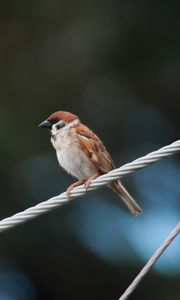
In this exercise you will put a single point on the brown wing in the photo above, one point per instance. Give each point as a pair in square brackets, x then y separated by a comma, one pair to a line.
[94, 148]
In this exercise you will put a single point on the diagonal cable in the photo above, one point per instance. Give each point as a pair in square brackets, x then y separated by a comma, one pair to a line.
[174, 233]
[115, 174]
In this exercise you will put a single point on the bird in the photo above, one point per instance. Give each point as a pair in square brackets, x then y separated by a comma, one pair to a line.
[82, 154]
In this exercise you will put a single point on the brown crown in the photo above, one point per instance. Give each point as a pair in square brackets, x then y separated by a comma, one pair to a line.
[62, 115]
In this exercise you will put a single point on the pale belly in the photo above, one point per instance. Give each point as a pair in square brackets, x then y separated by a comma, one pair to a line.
[76, 163]
[72, 158]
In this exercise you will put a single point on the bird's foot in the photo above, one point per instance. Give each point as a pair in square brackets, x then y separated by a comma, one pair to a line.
[72, 186]
[88, 182]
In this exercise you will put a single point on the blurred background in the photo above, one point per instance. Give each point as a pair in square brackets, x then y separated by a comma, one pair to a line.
[117, 65]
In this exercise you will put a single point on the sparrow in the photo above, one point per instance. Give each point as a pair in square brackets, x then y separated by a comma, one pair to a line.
[82, 154]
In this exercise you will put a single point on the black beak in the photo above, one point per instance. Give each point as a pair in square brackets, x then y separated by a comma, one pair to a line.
[45, 124]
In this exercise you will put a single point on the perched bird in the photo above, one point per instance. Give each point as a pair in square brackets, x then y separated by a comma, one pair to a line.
[82, 154]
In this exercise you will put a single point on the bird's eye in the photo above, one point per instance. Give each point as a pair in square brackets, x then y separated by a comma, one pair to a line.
[60, 125]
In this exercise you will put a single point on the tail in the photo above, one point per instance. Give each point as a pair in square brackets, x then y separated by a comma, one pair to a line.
[120, 190]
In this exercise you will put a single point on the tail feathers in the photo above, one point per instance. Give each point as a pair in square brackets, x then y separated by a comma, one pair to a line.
[120, 190]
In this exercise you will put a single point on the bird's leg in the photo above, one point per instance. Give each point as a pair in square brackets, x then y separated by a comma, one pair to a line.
[72, 186]
[88, 182]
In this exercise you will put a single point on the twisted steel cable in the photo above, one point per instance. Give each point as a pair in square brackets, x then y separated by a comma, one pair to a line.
[115, 174]
[174, 233]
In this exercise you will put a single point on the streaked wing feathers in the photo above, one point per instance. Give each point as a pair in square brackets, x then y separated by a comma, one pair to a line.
[94, 148]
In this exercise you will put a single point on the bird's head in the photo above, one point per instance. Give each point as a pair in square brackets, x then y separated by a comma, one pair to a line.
[59, 120]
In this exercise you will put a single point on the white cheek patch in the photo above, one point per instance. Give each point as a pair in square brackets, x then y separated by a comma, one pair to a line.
[63, 126]
[56, 127]
[54, 130]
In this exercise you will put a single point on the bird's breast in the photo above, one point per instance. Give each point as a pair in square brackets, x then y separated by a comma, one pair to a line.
[71, 157]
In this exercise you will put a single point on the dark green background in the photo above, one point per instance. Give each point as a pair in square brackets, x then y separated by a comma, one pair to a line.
[117, 65]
